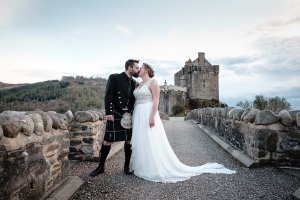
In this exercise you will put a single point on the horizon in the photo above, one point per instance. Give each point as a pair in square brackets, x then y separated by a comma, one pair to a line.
[258, 51]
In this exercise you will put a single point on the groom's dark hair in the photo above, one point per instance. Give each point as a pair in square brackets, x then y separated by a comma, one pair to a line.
[130, 62]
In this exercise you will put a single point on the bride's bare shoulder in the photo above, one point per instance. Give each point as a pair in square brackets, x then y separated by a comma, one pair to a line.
[153, 83]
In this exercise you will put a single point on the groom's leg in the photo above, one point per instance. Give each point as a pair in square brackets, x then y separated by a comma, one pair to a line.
[105, 148]
[127, 150]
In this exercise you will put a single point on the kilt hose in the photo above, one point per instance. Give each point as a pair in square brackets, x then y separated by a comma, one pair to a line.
[114, 132]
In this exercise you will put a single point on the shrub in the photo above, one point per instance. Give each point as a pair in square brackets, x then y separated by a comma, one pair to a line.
[178, 108]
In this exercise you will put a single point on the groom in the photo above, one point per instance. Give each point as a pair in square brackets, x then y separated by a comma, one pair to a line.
[118, 100]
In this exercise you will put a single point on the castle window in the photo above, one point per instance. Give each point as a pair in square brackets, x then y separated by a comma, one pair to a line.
[203, 82]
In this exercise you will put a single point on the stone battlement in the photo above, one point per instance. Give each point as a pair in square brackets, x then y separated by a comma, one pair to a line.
[262, 135]
[34, 148]
[86, 135]
[172, 87]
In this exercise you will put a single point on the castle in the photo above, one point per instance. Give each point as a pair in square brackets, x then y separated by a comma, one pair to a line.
[198, 79]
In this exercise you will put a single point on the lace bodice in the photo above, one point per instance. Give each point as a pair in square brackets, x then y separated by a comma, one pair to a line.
[143, 94]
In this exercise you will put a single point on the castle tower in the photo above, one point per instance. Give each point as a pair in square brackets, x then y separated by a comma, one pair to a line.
[201, 58]
[200, 77]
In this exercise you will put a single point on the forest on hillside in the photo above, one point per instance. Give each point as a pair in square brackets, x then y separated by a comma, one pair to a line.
[69, 93]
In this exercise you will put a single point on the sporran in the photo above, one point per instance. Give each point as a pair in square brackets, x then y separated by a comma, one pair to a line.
[126, 121]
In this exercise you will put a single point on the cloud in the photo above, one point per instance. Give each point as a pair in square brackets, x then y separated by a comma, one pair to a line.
[10, 10]
[280, 22]
[164, 69]
[123, 30]
[235, 60]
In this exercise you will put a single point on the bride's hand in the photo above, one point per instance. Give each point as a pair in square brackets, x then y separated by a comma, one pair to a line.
[151, 121]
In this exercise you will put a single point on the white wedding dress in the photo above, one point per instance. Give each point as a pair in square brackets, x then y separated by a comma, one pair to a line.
[152, 156]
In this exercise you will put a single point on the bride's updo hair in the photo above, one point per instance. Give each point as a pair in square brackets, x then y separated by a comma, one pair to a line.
[150, 70]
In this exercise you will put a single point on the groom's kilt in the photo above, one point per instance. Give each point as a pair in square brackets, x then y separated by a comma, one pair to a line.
[114, 132]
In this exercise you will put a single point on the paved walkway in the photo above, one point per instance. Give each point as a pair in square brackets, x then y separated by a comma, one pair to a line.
[193, 147]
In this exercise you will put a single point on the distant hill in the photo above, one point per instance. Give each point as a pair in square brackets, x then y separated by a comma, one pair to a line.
[9, 85]
[69, 93]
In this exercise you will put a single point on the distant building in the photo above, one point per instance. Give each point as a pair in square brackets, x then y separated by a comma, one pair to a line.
[198, 79]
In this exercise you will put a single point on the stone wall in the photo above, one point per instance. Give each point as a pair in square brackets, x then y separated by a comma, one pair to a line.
[262, 135]
[86, 135]
[170, 97]
[34, 148]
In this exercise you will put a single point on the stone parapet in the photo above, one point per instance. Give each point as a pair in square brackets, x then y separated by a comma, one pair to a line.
[34, 148]
[86, 135]
[262, 135]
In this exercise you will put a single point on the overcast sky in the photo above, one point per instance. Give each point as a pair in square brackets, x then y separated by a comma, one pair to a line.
[255, 42]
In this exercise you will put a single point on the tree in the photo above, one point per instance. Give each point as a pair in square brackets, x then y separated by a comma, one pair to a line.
[260, 102]
[245, 104]
[277, 104]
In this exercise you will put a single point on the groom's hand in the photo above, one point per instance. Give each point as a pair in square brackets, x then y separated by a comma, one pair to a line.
[109, 117]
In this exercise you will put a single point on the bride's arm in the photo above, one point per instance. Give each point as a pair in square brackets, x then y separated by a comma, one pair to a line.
[155, 90]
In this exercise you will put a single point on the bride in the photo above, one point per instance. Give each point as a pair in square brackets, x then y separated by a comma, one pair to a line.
[153, 158]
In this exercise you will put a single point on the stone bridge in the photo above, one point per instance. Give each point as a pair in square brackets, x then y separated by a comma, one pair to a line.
[35, 161]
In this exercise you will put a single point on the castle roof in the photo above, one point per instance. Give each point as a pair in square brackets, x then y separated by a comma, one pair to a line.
[196, 62]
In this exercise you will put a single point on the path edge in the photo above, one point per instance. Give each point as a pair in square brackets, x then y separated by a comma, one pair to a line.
[70, 185]
[237, 154]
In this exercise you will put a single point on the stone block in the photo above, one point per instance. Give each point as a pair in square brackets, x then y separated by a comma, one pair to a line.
[246, 111]
[73, 149]
[63, 153]
[59, 138]
[56, 122]
[65, 144]
[1, 132]
[82, 133]
[87, 149]
[85, 116]
[27, 125]
[266, 117]
[49, 139]
[55, 172]
[100, 113]
[52, 147]
[47, 120]
[50, 155]
[265, 139]
[250, 116]
[95, 115]
[285, 118]
[63, 121]
[11, 126]
[298, 119]
[38, 123]
[79, 127]
[89, 140]
[75, 142]
[69, 116]
[235, 113]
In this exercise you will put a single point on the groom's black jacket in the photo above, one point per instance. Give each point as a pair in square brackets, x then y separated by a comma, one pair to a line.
[117, 94]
